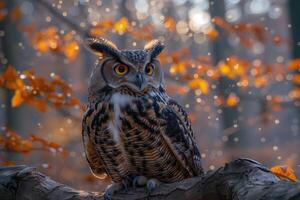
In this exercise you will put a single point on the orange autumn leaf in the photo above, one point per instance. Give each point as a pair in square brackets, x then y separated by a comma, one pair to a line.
[232, 67]
[284, 172]
[177, 89]
[260, 81]
[48, 145]
[26, 146]
[225, 70]
[232, 100]
[37, 91]
[46, 39]
[294, 64]
[295, 93]
[121, 26]
[71, 50]
[178, 68]
[199, 84]
[70, 47]
[212, 34]
[101, 28]
[13, 142]
[9, 77]
[49, 40]
[17, 99]
[296, 78]
[170, 23]
[258, 31]
[219, 21]
[40, 105]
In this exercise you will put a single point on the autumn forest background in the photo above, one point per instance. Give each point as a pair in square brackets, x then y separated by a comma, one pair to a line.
[233, 64]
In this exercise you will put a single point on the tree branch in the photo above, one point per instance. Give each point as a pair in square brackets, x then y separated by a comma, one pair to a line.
[239, 179]
[57, 14]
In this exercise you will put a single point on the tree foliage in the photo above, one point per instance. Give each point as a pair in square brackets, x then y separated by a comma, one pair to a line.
[197, 73]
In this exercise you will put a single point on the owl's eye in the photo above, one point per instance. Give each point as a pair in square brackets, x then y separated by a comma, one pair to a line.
[121, 70]
[149, 69]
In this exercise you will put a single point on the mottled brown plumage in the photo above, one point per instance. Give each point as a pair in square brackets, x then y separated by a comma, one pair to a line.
[131, 127]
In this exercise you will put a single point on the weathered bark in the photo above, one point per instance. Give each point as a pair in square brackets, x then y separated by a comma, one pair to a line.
[239, 179]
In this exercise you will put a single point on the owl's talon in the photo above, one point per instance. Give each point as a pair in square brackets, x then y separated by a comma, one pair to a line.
[125, 185]
[152, 184]
[112, 189]
[139, 181]
[126, 182]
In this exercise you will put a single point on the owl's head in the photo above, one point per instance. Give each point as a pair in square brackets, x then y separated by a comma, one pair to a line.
[138, 70]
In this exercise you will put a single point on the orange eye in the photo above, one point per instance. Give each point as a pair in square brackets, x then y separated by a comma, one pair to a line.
[149, 69]
[121, 70]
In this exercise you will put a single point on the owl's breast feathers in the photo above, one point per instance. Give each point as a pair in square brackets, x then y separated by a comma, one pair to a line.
[148, 135]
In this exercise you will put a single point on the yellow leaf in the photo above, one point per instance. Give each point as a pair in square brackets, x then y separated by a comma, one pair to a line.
[17, 99]
[19, 83]
[260, 81]
[212, 34]
[121, 25]
[46, 39]
[169, 23]
[71, 50]
[200, 84]
[178, 68]
[284, 172]
[232, 100]
[226, 70]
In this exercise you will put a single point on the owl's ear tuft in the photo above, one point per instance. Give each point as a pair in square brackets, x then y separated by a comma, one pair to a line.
[154, 48]
[102, 47]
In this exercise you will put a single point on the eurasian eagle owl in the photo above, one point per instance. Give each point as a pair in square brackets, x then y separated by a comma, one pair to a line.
[132, 130]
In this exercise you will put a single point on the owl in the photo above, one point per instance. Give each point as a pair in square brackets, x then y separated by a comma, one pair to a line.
[132, 130]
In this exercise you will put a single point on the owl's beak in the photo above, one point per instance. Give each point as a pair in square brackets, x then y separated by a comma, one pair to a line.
[139, 81]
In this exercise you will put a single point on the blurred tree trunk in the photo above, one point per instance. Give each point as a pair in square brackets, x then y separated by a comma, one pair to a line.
[9, 42]
[8, 45]
[294, 6]
[225, 86]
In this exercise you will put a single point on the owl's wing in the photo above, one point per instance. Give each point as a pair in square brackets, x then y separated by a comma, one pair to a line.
[91, 154]
[179, 136]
